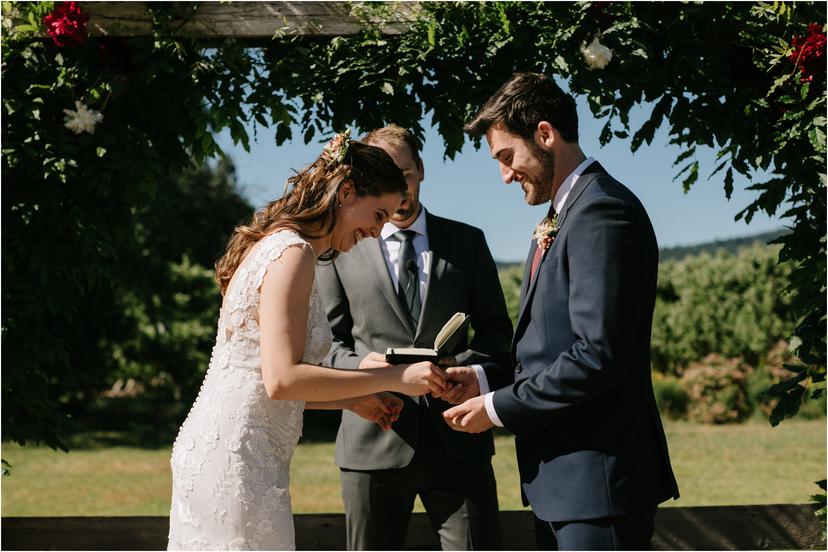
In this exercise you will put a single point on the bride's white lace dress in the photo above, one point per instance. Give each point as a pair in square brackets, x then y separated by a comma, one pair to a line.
[231, 459]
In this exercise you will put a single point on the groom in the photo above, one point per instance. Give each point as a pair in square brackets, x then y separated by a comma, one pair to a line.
[591, 450]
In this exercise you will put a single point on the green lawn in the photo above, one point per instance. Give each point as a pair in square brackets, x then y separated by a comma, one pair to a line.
[737, 464]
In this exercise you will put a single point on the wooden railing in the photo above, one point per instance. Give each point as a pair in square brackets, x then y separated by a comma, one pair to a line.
[765, 527]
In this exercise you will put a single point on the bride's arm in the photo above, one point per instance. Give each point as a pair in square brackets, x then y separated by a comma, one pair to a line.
[283, 319]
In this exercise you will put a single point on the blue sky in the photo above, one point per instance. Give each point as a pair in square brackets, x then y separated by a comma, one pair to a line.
[469, 188]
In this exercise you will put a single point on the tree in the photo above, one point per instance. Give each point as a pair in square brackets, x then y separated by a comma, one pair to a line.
[745, 79]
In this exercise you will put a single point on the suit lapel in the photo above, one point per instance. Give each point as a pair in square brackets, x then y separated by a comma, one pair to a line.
[527, 270]
[437, 266]
[376, 263]
[584, 180]
[528, 289]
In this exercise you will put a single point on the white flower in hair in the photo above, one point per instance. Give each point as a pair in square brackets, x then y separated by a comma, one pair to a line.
[82, 119]
[337, 148]
[596, 55]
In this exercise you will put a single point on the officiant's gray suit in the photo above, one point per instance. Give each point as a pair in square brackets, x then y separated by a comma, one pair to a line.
[382, 471]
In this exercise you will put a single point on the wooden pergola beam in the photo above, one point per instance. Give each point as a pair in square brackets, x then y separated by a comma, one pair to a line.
[243, 20]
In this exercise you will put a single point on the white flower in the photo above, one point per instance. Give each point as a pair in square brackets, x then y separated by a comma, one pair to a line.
[596, 54]
[81, 120]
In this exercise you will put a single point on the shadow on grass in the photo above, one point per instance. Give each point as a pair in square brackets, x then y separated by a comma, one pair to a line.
[148, 421]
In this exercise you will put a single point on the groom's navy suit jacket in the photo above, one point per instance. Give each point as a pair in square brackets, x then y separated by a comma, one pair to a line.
[589, 439]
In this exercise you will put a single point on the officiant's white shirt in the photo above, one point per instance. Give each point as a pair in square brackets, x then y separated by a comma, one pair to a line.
[559, 201]
[391, 252]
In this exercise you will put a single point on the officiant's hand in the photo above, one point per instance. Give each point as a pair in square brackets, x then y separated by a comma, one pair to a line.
[469, 417]
[380, 408]
[465, 384]
[372, 361]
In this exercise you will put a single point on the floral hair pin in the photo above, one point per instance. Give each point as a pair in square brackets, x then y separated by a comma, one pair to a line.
[337, 148]
[546, 231]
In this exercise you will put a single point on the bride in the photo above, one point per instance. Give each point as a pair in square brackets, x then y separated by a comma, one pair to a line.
[231, 459]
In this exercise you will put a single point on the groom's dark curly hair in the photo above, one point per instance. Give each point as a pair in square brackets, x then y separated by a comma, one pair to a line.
[522, 102]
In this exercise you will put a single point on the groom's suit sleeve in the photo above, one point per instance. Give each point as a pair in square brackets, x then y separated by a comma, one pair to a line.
[490, 346]
[342, 353]
[606, 255]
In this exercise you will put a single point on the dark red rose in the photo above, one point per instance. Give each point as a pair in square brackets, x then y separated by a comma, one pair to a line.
[809, 53]
[67, 24]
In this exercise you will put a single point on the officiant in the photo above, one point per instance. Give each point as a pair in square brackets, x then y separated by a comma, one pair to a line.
[399, 291]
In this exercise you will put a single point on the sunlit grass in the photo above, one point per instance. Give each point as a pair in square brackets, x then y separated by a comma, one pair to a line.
[750, 463]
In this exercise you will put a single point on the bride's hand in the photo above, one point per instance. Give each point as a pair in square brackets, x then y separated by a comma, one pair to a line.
[421, 378]
[372, 361]
[381, 408]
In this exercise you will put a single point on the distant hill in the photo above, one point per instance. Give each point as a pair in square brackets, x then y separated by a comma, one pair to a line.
[731, 245]
[675, 253]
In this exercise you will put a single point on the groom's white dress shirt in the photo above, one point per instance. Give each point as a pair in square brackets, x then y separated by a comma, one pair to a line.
[391, 252]
[559, 201]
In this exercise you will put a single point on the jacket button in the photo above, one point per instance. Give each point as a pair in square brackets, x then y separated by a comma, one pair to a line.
[518, 368]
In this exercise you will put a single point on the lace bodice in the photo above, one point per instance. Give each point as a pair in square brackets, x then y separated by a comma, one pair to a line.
[231, 459]
[238, 326]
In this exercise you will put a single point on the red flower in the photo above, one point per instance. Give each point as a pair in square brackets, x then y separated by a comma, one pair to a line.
[67, 24]
[809, 53]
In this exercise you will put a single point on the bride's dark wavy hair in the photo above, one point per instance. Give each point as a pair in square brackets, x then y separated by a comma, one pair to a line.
[310, 205]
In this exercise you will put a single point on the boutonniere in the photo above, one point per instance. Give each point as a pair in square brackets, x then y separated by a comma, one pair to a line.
[546, 231]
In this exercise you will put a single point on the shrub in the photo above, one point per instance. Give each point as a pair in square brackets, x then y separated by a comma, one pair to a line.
[771, 372]
[717, 389]
[671, 397]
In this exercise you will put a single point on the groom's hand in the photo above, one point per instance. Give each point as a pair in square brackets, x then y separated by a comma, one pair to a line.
[469, 417]
[465, 383]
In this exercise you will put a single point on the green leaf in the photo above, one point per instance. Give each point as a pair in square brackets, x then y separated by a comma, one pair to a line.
[728, 183]
[691, 178]
[684, 155]
[776, 84]
[100, 152]
[387, 88]
[817, 137]
[788, 405]
[309, 132]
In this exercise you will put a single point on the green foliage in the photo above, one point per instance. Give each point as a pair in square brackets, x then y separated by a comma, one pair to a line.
[71, 202]
[731, 304]
[510, 280]
[156, 325]
[716, 75]
[671, 398]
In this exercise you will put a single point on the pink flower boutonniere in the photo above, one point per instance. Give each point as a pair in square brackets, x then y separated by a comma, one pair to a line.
[546, 231]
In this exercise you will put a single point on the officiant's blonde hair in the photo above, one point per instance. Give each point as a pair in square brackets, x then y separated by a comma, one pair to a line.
[310, 205]
[396, 136]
